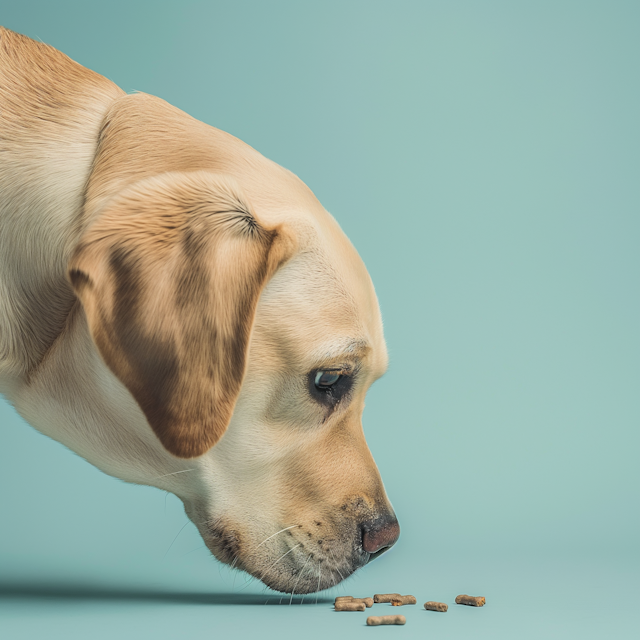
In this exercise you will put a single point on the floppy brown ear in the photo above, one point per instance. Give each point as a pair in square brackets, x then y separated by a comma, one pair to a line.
[169, 276]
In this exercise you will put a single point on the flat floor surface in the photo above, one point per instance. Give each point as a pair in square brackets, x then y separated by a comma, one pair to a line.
[525, 599]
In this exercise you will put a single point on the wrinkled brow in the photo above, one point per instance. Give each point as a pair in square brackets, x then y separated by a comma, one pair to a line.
[343, 348]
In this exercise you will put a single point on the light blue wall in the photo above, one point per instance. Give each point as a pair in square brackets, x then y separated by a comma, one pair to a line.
[483, 157]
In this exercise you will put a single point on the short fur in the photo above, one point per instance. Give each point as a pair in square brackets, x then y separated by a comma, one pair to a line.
[187, 245]
[166, 297]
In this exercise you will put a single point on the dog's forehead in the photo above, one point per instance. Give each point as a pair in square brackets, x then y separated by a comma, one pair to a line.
[324, 298]
[324, 291]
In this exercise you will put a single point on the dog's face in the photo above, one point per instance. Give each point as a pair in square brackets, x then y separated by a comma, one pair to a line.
[248, 334]
[294, 485]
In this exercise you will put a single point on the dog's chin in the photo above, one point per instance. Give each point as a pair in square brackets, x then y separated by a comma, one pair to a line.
[298, 576]
[296, 584]
[301, 578]
[287, 569]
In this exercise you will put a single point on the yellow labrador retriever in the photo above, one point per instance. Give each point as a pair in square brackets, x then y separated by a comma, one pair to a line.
[183, 313]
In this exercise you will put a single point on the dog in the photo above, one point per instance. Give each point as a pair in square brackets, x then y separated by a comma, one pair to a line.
[183, 313]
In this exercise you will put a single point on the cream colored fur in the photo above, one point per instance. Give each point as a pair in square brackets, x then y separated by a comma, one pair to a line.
[87, 174]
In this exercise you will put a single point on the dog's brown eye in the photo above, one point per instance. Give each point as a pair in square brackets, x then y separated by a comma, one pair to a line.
[330, 387]
[326, 379]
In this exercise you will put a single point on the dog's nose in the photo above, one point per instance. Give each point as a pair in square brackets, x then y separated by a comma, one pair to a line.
[380, 534]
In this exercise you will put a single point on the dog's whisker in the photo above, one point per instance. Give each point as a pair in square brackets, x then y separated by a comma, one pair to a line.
[248, 579]
[264, 573]
[250, 553]
[319, 574]
[179, 532]
[247, 583]
[202, 546]
[175, 473]
[303, 596]
[278, 560]
[334, 559]
[298, 580]
[293, 526]
[235, 575]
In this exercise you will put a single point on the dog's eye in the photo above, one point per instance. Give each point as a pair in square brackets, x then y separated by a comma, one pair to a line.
[326, 379]
[330, 387]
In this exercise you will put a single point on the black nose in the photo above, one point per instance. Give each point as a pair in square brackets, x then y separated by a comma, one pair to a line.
[380, 534]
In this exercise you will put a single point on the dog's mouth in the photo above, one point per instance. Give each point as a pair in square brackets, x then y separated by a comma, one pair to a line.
[377, 554]
[296, 562]
[298, 570]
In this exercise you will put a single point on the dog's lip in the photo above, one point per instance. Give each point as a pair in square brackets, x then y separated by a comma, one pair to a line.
[377, 554]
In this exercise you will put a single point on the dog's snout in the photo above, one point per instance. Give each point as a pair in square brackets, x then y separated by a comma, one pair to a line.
[379, 535]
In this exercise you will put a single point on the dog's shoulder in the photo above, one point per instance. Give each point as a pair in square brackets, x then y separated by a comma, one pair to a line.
[42, 86]
[51, 112]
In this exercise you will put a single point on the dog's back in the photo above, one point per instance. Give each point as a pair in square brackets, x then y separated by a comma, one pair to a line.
[51, 112]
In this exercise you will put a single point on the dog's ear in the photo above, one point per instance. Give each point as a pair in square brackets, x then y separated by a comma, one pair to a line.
[169, 276]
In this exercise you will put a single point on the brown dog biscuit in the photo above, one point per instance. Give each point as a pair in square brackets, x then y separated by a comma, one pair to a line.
[350, 606]
[368, 602]
[402, 600]
[385, 597]
[374, 621]
[471, 601]
[344, 598]
[435, 606]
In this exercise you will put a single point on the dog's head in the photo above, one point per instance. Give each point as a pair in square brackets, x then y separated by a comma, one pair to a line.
[248, 333]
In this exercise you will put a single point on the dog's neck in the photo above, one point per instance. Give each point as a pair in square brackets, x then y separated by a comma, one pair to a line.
[52, 112]
[74, 398]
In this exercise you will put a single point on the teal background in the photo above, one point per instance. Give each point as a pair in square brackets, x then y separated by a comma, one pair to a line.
[483, 157]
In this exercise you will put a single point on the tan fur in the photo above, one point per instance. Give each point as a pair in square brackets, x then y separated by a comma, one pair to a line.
[51, 111]
[169, 277]
[164, 288]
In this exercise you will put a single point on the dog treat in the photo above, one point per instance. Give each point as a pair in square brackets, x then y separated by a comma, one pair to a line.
[435, 606]
[472, 601]
[368, 602]
[344, 598]
[349, 606]
[402, 600]
[374, 621]
[385, 597]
